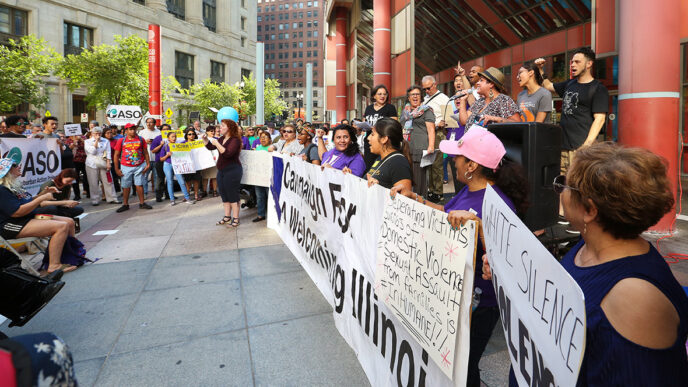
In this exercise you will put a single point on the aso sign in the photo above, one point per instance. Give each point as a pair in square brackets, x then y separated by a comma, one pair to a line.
[40, 159]
[123, 114]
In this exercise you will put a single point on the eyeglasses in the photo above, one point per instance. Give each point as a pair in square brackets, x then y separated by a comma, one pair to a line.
[414, 95]
[559, 184]
[427, 88]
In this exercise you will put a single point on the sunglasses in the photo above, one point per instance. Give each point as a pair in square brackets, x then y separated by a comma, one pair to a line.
[15, 165]
[287, 131]
[559, 184]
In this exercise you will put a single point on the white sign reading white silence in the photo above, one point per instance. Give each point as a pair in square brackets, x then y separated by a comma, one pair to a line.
[541, 305]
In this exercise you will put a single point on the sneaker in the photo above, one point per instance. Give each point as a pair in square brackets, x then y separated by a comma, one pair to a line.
[173, 203]
[572, 231]
[145, 206]
[95, 203]
[123, 208]
[259, 219]
[116, 202]
[563, 221]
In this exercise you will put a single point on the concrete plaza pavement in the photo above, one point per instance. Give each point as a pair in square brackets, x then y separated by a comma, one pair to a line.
[175, 300]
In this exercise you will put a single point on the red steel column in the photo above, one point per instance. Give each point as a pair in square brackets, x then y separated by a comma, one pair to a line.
[648, 96]
[382, 39]
[154, 102]
[341, 50]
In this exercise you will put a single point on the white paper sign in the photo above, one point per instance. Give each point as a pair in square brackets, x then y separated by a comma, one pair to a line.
[428, 158]
[72, 130]
[257, 167]
[123, 114]
[541, 305]
[419, 274]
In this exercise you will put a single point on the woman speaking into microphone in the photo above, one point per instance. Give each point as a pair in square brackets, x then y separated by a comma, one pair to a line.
[229, 169]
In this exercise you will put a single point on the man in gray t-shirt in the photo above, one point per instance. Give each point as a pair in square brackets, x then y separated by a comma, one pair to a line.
[532, 104]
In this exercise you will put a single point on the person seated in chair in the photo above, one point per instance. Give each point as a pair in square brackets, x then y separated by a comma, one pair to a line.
[62, 205]
[18, 210]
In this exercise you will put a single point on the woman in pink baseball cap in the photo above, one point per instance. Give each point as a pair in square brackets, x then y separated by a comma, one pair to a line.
[479, 160]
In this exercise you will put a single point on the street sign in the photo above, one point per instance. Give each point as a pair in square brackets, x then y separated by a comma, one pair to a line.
[84, 117]
[48, 114]
[168, 121]
[169, 112]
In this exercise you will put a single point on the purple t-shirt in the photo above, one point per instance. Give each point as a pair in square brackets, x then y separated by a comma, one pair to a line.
[466, 200]
[256, 142]
[244, 143]
[338, 160]
[154, 144]
[163, 151]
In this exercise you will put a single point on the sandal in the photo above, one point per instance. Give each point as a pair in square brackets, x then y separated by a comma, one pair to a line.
[66, 268]
[235, 222]
[224, 220]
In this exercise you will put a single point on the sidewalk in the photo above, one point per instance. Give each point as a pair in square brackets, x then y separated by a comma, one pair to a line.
[176, 301]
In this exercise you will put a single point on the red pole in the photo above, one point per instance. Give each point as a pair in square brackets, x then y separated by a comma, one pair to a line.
[341, 51]
[382, 36]
[648, 98]
[154, 102]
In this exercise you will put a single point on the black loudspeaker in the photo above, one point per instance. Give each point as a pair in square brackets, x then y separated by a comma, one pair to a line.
[537, 147]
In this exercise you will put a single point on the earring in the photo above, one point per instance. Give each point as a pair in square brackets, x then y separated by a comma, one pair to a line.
[585, 228]
[467, 176]
[491, 94]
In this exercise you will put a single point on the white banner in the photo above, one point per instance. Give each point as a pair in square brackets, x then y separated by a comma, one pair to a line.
[331, 223]
[40, 159]
[257, 167]
[123, 114]
[419, 275]
[541, 305]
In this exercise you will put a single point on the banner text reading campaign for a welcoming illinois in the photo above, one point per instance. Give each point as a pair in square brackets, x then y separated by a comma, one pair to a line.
[407, 323]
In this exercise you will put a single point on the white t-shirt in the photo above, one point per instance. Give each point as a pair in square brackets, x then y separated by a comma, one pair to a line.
[442, 108]
[149, 135]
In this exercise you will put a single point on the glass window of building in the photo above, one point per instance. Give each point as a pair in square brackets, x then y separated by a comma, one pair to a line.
[243, 23]
[217, 72]
[184, 69]
[12, 23]
[76, 38]
[177, 8]
[209, 14]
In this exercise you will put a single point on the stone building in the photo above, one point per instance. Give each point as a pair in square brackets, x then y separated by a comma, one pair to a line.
[200, 38]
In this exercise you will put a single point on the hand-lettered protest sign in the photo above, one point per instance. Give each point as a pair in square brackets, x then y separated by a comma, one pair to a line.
[257, 167]
[72, 130]
[189, 157]
[542, 306]
[419, 274]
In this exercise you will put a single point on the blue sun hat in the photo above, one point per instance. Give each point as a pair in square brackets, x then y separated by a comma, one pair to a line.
[5, 166]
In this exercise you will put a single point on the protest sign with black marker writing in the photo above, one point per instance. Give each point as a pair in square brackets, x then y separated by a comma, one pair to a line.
[419, 274]
[541, 305]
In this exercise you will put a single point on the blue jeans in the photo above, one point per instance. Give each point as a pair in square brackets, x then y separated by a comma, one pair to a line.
[145, 177]
[169, 176]
[262, 198]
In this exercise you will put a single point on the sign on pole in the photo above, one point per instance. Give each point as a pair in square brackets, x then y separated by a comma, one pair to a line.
[169, 113]
[84, 117]
[541, 305]
[123, 114]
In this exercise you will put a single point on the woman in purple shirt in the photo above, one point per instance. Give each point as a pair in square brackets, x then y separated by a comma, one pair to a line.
[345, 155]
[479, 159]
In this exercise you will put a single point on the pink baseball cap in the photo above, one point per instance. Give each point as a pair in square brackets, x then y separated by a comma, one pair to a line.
[478, 145]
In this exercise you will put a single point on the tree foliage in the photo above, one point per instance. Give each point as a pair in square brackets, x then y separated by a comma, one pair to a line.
[25, 65]
[207, 94]
[112, 74]
[273, 103]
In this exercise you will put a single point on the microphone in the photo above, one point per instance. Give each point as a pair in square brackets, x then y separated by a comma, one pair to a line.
[463, 94]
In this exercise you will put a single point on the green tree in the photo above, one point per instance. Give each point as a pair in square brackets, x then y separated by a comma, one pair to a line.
[273, 103]
[202, 96]
[25, 65]
[114, 74]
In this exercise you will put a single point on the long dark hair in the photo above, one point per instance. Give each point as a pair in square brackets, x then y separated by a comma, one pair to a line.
[233, 128]
[376, 89]
[67, 172]
[352, 149]
[510, 177]
[391, 128]
[531, 66]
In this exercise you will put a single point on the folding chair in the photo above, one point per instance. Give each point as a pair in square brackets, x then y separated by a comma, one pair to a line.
[26, 264]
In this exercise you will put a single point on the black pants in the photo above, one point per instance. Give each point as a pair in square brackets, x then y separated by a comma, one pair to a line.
[115, 178]
[483, 322]
[162, 187]
[69, 212]
[80, 169]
